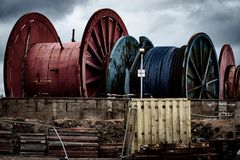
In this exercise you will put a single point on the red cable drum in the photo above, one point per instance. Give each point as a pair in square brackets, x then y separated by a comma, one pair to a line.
[36, 64]
[229, 82]
[30, 29]
[103, 29]
[226, 59]
[237, 83]
[50, 70]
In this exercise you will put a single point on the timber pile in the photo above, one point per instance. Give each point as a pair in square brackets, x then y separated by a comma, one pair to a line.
[78, 142]
[110, 150]
[6, 142]
[32, 144]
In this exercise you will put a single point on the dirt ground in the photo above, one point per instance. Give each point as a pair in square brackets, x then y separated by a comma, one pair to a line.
[215, 128]
[112, 131]
[109, 131]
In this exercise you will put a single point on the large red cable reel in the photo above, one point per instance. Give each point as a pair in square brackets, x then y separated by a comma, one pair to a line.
[226, 70]
[37, 65]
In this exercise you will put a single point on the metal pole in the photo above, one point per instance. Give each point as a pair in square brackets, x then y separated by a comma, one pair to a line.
[73, 35]
[59, 40]
[141, 50]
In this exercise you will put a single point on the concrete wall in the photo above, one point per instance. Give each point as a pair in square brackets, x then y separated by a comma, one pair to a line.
[99, 109]
[63, 108]
[214, 108]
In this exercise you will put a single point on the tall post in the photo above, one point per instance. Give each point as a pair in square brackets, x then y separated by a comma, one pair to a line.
[73, 35]
[142, 72]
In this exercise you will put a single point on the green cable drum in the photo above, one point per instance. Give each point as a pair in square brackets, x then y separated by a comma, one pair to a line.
[121, 59]
[200, 69]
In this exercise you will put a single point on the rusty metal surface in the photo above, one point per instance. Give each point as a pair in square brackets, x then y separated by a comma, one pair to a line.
[52, 71]
[237, 83]
[226, 59]
[37, 66]
[200, 70]
[121, 59]
[229, 82]
[32, 144]
[103, 29]
[190, 151]
[30, 29]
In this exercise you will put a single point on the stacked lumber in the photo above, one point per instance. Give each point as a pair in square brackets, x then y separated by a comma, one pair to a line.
[112, 150]
[6, 142]
[78, 142]
[32, 144]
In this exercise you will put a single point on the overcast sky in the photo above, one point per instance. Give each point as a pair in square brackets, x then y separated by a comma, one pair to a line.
[165, 22]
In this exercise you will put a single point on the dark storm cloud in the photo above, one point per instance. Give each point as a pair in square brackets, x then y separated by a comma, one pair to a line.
[218, 17]
[2, 48]
[182, 18]
[221, 18]
[12, 10]
[54, 8]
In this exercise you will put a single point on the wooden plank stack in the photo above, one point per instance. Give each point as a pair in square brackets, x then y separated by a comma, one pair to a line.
[110, 150]
[6, 142]
[78, 142]
[32, 144]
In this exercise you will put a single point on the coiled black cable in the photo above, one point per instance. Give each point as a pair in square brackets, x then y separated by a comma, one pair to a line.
[162, 72]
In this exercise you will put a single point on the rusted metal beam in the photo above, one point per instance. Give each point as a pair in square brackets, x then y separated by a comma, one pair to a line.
[32, 144]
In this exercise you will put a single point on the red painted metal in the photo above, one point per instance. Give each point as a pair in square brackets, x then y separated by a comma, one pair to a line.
[36, 65]
[229, 82]
[237, 83]
[103, 29]
[52, 71]
[226, 59]
[30, 29]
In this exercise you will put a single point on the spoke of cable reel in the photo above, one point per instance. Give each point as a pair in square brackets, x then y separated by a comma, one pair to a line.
[207, 65]
[94, 79]
[195, 69]
[195, 88]
[93, 65]
[95, 53]
[100, 28]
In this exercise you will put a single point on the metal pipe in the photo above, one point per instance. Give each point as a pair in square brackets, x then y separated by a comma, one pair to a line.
[141, 50]
[73, 35]
[206, 116]
[59, 40]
